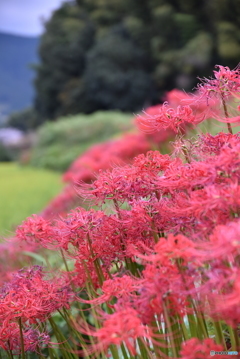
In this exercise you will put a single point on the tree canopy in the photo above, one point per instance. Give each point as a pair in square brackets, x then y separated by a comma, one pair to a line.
[124, 54]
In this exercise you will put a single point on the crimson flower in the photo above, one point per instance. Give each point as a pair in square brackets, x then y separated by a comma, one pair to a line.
[31, 297]
[10, 338]
[226, 83]
[167, 118]
[194, 349]
[122, 327]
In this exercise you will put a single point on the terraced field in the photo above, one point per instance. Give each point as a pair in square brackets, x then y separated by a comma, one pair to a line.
[24, 191]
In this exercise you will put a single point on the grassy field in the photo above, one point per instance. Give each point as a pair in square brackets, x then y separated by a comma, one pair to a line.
[24, 191]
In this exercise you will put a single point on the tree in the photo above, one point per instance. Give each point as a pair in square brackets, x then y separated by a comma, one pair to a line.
[24, 120]
[122, 54]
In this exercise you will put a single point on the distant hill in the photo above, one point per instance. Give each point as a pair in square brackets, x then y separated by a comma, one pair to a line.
[17, 53]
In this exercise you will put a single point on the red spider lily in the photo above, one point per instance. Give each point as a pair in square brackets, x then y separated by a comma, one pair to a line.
[176, 247]
[202, 108]
[162, 285]
[223, 87]
[118, 287]
[195, 349]
[174, 225]
[224, 242]
[226, 305]
[77, 226]
[109, 241]
[38, 230]
[167, 118]
[85, 272]
[175, 97]
[153, 162]
[122, 327]
[209, 144]
[225, 84]
[10, 338]
[120, 184]
[104, 155]
[128, 182]
[14, 250]
[30, 297]
[62, 203]
[33, 339]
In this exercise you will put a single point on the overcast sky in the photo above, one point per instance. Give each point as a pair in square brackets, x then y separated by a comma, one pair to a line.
[23, 17]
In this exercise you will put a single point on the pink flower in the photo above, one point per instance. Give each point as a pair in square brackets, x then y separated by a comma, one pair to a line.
[128, 182]
[194, 349]
[226, 83]
[31, 297]
[167, 118]
[10, 338]
[38, 230]
[224, 86]
[122, 327]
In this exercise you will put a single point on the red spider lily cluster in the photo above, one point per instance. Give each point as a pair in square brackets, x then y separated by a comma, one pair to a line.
[155, 267]
[27, 300]
[115, 152]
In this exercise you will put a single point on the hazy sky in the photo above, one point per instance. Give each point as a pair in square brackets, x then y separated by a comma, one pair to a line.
[23, 17]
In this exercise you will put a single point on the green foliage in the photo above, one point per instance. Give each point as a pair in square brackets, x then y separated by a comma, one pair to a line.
[228, 41]
[115, 76]
[4, 154]
[59, 143]
[23, 191]
[105, 54]
[24, 120]
[68, 36]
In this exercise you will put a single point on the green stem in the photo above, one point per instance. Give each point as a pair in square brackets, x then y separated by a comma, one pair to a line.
[219, 334]
[161, 339]
[200, 320]
[237, 339]
[64, 260]
[114, 352]
[184, 329]
[21, 338]
[169, 327]
[39, 353]
[67, 317]
[96, 263]
[9, 353]
[124, 352]
[154, 233]
[226, 114]
[51, 353]
[232, 338]
[192, 325]
[63, 342]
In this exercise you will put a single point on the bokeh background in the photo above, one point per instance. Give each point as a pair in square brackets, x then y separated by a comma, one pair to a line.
[74, 73]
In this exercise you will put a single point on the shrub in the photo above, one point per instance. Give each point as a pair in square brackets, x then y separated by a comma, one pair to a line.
[59, 143]
[24, 120]
[4, 154]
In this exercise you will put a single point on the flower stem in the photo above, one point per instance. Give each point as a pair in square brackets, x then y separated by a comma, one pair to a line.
[21, 338]
[173, 343]
[226, 114]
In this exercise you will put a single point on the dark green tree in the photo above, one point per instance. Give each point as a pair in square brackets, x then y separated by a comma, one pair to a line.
[125, 54]
[67, 38]
[24, 120]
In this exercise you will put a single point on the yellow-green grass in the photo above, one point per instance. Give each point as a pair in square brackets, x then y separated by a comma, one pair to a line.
[24, 191]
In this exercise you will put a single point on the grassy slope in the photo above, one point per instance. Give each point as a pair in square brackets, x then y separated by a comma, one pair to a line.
[24, 191]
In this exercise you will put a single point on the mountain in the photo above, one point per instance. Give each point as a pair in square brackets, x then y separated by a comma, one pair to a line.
[17, 54]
